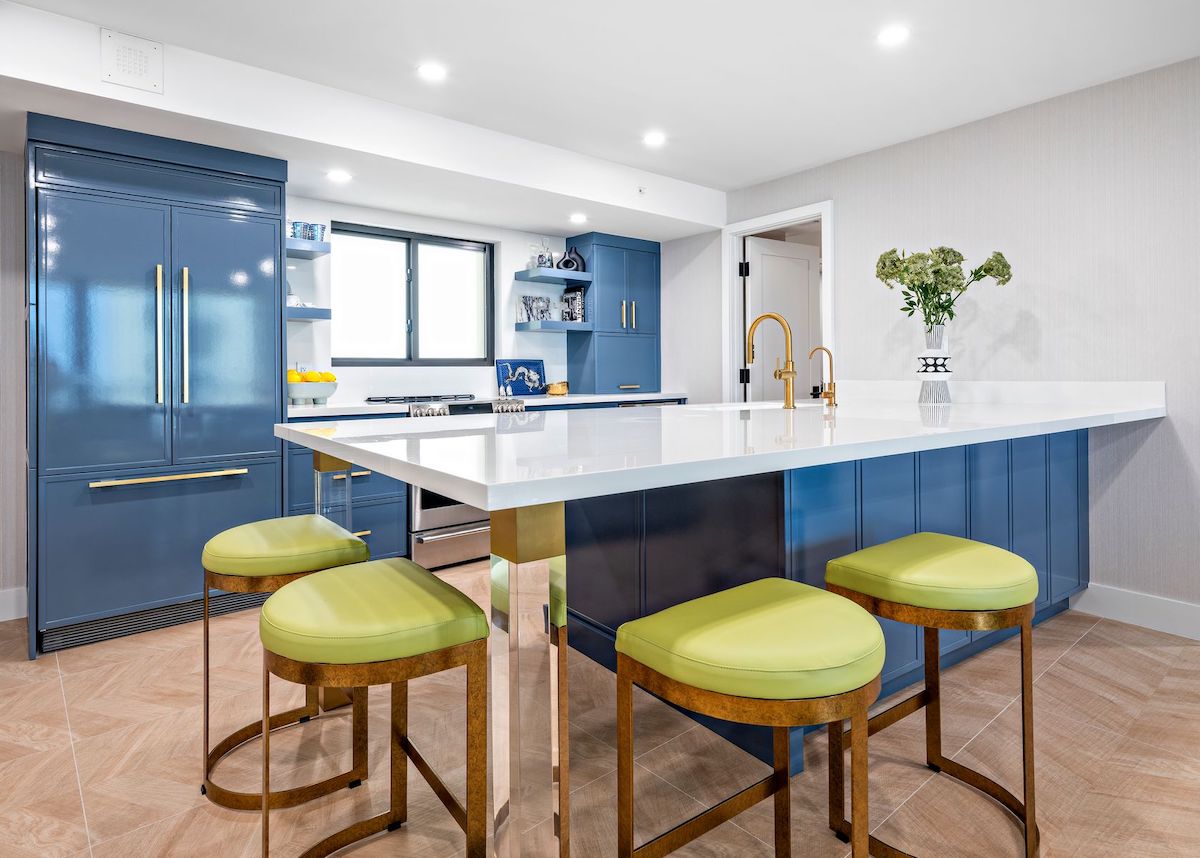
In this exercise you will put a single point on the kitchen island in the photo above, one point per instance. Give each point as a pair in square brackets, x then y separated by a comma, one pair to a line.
[655, 506]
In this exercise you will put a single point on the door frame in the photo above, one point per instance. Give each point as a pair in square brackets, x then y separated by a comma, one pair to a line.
[732, 344]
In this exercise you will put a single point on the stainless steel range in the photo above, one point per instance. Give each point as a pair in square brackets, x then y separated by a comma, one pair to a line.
[443, 530]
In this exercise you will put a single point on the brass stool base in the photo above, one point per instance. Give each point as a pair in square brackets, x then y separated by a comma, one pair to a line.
[929, 699]
[237, 800]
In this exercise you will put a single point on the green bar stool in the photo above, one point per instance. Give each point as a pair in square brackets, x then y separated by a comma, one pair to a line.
[261, 557]
[772, 652]
[560, 737]
[941, 582]
[375, 623]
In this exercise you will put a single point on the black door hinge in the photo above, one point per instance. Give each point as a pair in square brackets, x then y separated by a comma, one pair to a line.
[744, 376]
[743, 269]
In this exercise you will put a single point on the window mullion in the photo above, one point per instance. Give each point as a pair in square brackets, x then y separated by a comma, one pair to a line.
[411, 288]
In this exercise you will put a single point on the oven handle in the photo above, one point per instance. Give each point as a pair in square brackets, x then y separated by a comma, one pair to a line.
[438, 537]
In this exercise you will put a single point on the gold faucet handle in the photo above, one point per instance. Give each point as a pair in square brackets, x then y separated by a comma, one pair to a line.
[778, 370]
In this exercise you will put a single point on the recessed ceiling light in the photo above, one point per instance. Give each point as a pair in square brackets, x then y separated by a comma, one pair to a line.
[893, 35]
[338, 176]
[432, 72]
[654, 139]
[578, 217]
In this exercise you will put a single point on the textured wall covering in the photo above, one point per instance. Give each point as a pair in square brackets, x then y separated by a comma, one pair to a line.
[691, 316]
[12, 372]
[1095, 199]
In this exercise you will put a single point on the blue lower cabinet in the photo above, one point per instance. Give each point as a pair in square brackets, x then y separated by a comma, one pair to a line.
[821, 518]
[137, 545]
[366, 484]
[1030, 508]
[604, 556]
[1067, 455]
[942, 508]
[383, 525]
[626, 363]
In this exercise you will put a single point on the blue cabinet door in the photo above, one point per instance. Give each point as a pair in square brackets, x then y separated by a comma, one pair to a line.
[383, 525]
[104, 352]
[1030, 513]
[889, 511]
[626, 363]
[608, 289]
[1066, 565]
[228, 370]
[642, 291]
[942, 508]
[138, 545]
[604, 558]
[821, 518]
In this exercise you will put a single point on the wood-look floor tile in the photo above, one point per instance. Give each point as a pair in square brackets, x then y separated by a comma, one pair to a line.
[40, 811]
[593, 692]
[15, 667]
[658, 806]
[1171, 718]
[33, 718]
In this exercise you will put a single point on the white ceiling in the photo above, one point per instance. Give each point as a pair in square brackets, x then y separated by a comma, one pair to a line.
[746, 91]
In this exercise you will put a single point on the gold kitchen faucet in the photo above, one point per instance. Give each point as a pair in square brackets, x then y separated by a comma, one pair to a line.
[788, 374]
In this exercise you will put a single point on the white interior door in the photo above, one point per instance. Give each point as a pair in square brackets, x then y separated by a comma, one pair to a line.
[785, 278]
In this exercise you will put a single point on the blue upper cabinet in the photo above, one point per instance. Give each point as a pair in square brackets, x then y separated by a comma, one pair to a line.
[226, 290]
[104, 361]
[622, 355]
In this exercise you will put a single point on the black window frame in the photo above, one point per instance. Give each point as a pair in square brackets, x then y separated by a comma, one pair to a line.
[412, 239]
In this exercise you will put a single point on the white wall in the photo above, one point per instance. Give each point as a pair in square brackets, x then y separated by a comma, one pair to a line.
[309, 342]
[12, 387]
[1095, 199]
[691, 318]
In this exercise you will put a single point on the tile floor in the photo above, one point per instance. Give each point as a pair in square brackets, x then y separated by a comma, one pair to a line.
[100, 754]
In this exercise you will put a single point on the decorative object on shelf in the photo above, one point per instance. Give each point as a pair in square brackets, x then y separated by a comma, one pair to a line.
[573, 304]
[540, 255]
[521, 377]
[557, 388]
[296, 228]
[577, 258]
[931, 283]
[307, 231]
[508, 406]
[537, 308]
[566, 262]
[311, 387]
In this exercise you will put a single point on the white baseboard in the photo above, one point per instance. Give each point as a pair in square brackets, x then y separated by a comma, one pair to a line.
[1140, 609]
[13, 603]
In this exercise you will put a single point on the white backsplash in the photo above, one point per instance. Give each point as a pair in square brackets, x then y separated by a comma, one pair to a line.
[308, 342]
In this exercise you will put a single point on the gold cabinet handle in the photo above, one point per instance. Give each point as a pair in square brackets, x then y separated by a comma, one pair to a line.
[186, 345]
[633, 306]
[353, 474]
[622, 314]
[158, 333]
[629, 387]
[361, 533]
[168, 478]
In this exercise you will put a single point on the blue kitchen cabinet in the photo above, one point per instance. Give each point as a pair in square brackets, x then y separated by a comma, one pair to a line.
[383, 525]
[1030, 508]
[621, 353]
[821, 518]
[226, 291]
[103, 361]
[888, 511]
[942, 508]
[127, 541]
[152, 404]
[1067, 454]
[626, 363]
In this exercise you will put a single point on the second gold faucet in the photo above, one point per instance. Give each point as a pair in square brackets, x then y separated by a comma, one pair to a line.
[829, 388]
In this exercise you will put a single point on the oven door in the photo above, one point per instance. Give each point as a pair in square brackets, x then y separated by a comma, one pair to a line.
[447, 546]
[431, 510]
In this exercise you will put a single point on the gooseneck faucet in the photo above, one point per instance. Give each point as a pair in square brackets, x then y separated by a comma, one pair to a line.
[829, 388]
[788, 374]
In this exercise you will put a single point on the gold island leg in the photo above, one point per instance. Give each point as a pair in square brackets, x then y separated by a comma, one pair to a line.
[521, 536]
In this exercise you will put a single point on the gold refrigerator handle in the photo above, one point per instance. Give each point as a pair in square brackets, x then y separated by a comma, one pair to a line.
[622, 314]
[158, 334]
[633, 312]
[168, 478]
[187, 392]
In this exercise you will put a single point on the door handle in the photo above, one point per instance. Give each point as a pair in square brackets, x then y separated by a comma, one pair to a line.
[629, 387]
[158, 334]
[186, 344]
[622, 314]
[438, 537]
[168, 478]
[633, 307]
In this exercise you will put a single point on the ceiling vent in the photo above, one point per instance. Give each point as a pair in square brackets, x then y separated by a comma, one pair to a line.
[130, 61]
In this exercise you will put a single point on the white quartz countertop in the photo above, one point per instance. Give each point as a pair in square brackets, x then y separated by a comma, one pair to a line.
[497, 461]
[351, 408]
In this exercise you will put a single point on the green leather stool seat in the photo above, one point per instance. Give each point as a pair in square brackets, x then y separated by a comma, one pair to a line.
[558, 591]
[771, 639]
[374, 611]
[283, 546]
[933, 570]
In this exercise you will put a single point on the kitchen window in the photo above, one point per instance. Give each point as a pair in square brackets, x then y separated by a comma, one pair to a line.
[406, 299]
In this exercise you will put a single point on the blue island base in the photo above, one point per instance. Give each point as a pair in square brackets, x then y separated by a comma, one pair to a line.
[633, 554]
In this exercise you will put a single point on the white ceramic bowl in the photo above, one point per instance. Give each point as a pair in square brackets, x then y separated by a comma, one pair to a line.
[310, 392]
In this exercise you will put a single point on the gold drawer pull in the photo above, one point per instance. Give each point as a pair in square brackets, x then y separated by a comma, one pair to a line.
[168, 478]
[629, 387]
[361, 533]
[353, 474]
